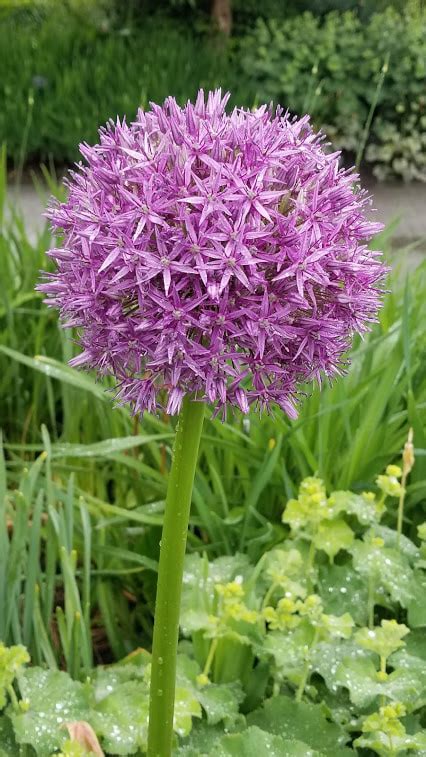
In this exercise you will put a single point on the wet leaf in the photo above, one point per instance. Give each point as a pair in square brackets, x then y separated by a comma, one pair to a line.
[379, 742]
[53, 699]
[417, 605]
[341, 587]
[221, 702]
[361, 678]
[387, 568]
[301, 722]
[332, 536]
[257, 743]
[362, 506]
[120, 719]
[384, 639]
[404, 545]
[287, 649]
[8, 745]
[326, 658]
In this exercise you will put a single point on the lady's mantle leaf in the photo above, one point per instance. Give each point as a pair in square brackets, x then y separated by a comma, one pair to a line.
[257, 743]
[51, 699]
[301, 722]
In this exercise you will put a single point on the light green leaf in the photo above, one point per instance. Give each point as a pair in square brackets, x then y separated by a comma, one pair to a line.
[337, 626]
[120, 719]
[341, 587]
[384, 639]
[379, 742]
[106, 448]
[187, 707]
[257, 743]
[57, 370]
[288, 649]
[221, 702]
[74, 749]
[333, 536]
[387, 568]
[301, 722]
[417, 605]
[401, 543]
[360, 677]
[327, 656]
[52, 698]
[362, 506]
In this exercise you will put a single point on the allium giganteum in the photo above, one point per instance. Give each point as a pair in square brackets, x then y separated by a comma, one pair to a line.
[222, 256]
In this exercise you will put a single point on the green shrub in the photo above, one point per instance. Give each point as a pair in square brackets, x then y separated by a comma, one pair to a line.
[333, 69]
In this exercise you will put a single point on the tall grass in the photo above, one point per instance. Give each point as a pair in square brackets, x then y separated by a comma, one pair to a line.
[64, 72]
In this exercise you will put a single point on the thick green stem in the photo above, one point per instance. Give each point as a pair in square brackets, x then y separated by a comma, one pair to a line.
[170, 573]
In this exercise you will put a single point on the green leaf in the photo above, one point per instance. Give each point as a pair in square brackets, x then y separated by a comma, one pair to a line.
[389, 570]
[360, 677]
[221, 701]
[287, 649]
[74, 749]
[120, 719]
[301, 722]
[187, 707]
[106, 448]
[384, 639]
[379, 742]
[340, 588]
[333, 536]
[8, 745]
[257, 743]
[204, 737]
[56, 369]
[327, 656]
[52, 698]
[361, 505]
[417, 606]
[401, 543]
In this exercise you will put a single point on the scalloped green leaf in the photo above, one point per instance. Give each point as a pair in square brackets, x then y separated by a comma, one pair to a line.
[255, 742]
[299, 721]
[389, 569]
[53, 699]
[332, 536]
[342, 588]
[221, 701]
[360, 677]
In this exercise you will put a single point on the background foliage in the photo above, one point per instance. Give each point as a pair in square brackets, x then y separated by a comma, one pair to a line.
[65, 68]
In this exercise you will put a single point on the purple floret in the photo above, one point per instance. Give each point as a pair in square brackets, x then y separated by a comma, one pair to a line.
[222, 256]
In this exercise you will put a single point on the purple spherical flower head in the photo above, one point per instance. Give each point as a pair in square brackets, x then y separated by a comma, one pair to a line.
[222, 256]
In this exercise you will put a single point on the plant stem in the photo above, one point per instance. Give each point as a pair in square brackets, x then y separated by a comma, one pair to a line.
[306, 669]
[210, 657]
[400, 520]
[370, 601]
[170, 574]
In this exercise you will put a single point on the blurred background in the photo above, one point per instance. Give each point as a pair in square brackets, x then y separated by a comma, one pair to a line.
[357, 66]
[69, 66]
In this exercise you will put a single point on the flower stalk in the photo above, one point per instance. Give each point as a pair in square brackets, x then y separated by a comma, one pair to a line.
[170, 574]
